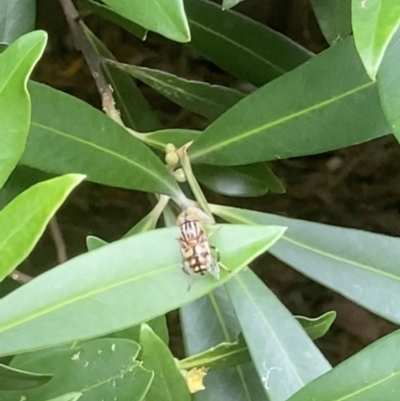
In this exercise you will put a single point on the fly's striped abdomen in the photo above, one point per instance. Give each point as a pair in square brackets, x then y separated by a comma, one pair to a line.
[190, 230]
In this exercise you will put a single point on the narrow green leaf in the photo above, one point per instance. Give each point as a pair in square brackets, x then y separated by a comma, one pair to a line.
[135, 111]
[247, 181]
[164, 17]
[292, 125]
[280, 349]
[374, 24]
[20, 179]
[27, 216]
[201, 97]
[370, 375]
[388, 79]
[149, 222]
[362, 266]
[105, 12]
[16, 64]
[16, 379]
[90, 144]
[319, 326]
[17, 18]
[93, 243]
[102, 369]
[207, 322]
[239, 45]
[227, 4]
[68, 397]
[159, 323]
[334, 18]
[168, 383]
[222, 356]
[84, 297]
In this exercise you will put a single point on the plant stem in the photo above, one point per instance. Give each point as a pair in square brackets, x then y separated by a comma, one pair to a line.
[191, 179]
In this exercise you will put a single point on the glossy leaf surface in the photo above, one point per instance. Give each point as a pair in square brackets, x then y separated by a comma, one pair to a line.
[388, 78]
[273, 123]
[239, 45]
[103, 369]
[108, 13]
[90, 144]
[17, 18]
[201, 97]
[26, 218]
[355, 380]
[250, 180]
[207, 322]
[164, 17]
[16, 379]
[68, 397]
[85, 297]
[374, 24]
[16, 65]
[334, 18]
[281, 350]
[168, 383]
[359, 265]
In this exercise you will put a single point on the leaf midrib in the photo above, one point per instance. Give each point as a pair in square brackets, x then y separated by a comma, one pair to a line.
[108, 151]
[271, 124]
[272, 332]
[285, 237]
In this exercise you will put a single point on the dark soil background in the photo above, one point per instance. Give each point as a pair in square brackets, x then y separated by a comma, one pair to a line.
[355, 187]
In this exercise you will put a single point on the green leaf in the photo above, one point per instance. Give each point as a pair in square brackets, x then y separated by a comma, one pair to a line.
[168, 383]
[93, 243]
[84, 297]
[222, 356]
[359, 265]
[102, 369]
[388, 78]
[164, 17]
[201, 97]
[68, 397]
[27, 216]
[226, 4]
[17, 18]
[239, 45]
[374, 24]
[149, 222]
[334, 18]
[294, 125]
[158, 324]
[370, 375]
[250, 180]
[90, 144]
[90, 6]
[16, 64]
[135, 111]
[319, 326]
[16, 379]
[281, 351]
[20, 179]
[206, 323]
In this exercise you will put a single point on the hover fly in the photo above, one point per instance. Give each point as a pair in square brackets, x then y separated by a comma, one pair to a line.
[195, 246]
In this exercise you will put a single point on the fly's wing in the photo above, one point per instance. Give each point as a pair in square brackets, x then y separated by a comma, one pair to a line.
[214, 269]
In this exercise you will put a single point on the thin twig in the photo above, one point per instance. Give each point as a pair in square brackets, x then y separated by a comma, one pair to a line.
[20, 277]
[57, 237]
[93, 60]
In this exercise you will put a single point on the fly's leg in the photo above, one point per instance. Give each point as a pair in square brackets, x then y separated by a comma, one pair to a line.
[218, 257]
